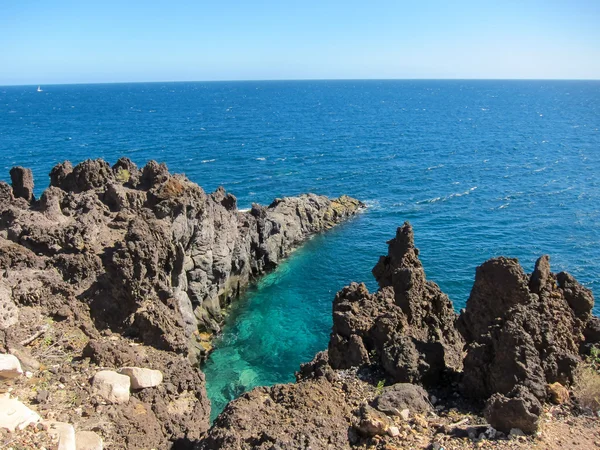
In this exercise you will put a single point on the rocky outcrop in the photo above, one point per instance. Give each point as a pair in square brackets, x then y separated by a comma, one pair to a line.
[150, 253]
[123, 254]
[523, 333]
[407, 327]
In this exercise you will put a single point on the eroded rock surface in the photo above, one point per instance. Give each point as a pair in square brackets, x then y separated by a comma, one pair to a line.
[407, 326]
[523, 333]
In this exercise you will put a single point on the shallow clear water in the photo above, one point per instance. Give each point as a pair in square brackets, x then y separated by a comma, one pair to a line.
[481, 168]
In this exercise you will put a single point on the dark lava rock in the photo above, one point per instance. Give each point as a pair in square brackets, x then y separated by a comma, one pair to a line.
[22, 182]
[522, 330]
[520, 410]
[401, 396]
[407, 327]
[310, 414]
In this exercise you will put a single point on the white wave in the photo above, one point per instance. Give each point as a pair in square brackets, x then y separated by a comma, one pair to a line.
[430, 200]
[372, 204]
[447, 197]
[504, 206]
[540, 170]
[244, 210]
[261, 159]
[435, 167]
[204, 161]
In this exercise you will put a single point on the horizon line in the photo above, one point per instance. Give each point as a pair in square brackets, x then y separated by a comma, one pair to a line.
[295, 80]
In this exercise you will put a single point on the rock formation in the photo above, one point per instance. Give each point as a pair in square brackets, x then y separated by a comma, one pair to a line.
[407, 326]
[140, 255]
[523, 333]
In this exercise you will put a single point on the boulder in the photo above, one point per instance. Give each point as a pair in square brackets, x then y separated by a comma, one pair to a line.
[142, 378]
[111, 386]
[520, 410]
[557, 393]
[88, 440]
[62, 432]
[10, 367]
[14, 414]
[402, 396]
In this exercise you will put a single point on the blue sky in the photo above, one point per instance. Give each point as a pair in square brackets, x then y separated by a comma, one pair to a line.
[57, 41]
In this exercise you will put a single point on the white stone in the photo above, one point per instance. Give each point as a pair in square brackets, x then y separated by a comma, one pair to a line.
[14, 414]
[393, 431]
[88, 440]
[142, 378]
[63, 432]
[405, 414]
[10, 367]
[111, 386]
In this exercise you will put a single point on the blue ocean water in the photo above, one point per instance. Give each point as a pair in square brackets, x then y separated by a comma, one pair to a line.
[480, 168]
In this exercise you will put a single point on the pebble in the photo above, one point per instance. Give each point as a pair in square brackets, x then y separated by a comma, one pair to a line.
[393, 431]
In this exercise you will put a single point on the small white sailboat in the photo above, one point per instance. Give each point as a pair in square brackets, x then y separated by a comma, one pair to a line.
[39, 89]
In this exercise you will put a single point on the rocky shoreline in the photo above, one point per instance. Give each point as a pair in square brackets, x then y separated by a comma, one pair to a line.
[114, 281]
[119, 270]
[403, 370]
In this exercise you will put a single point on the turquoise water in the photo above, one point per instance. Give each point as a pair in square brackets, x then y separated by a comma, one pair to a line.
[481, 168]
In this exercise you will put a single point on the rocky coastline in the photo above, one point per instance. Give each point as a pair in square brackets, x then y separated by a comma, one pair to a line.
[115, 271]
[403, 370]
[113, 282]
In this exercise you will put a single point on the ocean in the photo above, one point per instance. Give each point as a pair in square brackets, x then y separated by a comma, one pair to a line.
[480, 168]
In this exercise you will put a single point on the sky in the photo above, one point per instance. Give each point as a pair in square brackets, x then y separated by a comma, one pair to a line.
[63, 41]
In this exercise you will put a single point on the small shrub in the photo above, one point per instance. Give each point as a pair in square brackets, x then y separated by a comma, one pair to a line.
[123, 175]
[172, 188]
[587, 387]
[379, 388]
[594, 358]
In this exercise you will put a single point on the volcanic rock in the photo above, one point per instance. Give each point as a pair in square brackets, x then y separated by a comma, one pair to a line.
[520, 409]
[309, 414]
[522, 330]
[407, 326]
[22, 183]
[144, 256]
[401, 396]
